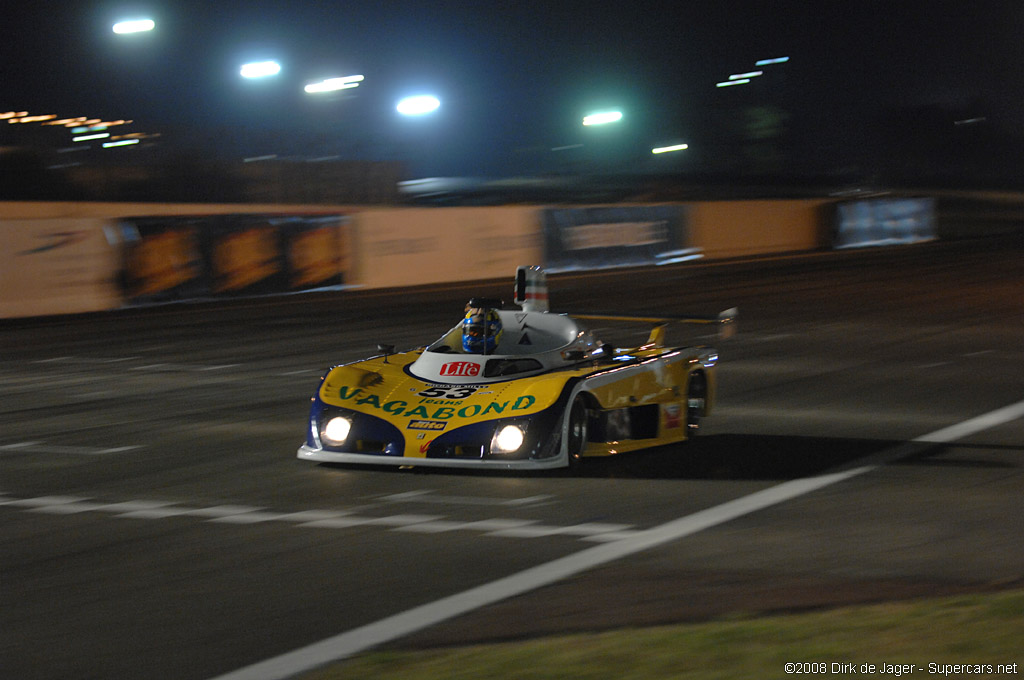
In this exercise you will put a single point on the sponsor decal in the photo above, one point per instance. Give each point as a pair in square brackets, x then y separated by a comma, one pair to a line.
[673, 417]
[398, 407]
[434, 394]
[615, 235]
[163, 261]
[314, 256]
[244, 258]
[460, 368]
[56, 240]
[426, 425]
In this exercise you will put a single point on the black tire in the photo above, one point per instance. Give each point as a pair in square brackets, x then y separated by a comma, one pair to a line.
[576, 434]
[696, 404]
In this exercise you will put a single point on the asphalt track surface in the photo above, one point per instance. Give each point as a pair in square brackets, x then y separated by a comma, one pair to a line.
[155, 523]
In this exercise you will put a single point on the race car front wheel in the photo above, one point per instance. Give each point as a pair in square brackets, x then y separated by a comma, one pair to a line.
[576, 437]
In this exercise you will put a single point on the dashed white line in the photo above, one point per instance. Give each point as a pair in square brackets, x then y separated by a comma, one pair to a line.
[164, 367]
[249, 518]
[43, 447]
[494, 525]
[313, 519]
[427, 496]
[221, 511]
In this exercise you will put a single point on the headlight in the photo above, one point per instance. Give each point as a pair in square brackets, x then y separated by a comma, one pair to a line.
[335, 431]
[507, 439]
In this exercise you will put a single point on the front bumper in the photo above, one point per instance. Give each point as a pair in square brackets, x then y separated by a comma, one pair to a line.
[374, 441]
[307, 452]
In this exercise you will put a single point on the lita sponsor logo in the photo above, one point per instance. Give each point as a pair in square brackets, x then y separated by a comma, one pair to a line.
[426, 425]
[460, 368]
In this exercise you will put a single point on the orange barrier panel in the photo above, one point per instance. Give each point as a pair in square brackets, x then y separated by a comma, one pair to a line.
[389, 247]
[739, 228]
[57, 266]
[411, 247]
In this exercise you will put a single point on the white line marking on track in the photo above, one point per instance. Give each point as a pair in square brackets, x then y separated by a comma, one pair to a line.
[360, 639]
[426, 496]
[317, 519]
[983, 422]
[43, 447]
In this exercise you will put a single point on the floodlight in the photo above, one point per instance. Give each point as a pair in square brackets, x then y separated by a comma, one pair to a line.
[333, 84]
[668, 149]
[134, 26]
[418, 105]
[602, 118]
[260, 69]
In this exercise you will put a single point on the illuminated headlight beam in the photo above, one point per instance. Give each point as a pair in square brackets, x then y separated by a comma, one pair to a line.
[508, 439]
[669, 149]
[134, 26]
[336, 430]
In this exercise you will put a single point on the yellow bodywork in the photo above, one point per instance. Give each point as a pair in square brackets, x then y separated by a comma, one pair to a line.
[424, 410]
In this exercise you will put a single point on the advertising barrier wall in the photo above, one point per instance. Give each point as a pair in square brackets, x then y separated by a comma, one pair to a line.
[743, 228]
[57, 266]
[177, 258]
[611, 236]
[413, 247]
[884, 221]
[65, 258]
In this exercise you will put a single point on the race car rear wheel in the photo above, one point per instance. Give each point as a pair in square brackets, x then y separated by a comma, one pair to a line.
[576, 435]
[696, 403]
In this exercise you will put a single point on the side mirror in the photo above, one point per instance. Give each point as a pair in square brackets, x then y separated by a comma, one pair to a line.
[386, 350]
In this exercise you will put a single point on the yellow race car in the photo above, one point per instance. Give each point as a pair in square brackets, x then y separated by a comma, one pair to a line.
[514, 389]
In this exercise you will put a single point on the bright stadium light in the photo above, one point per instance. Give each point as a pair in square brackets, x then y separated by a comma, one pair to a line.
[260, 69]
[134, 26]
[602, 118]
[86, 138]
[125, 142]
[730, 83]
[334, 84]
[769, 62]
[418, 106]
[669, 149]
[748, 74]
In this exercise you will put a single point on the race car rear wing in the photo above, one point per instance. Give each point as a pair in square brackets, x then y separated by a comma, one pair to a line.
[726, 321]
[531, 293]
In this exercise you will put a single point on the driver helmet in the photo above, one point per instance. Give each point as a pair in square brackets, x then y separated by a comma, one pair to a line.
[481, 330]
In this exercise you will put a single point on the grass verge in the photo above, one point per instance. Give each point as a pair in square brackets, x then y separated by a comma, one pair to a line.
[974, 631]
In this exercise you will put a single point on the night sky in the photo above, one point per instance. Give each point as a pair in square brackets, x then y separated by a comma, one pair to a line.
[516, 78]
